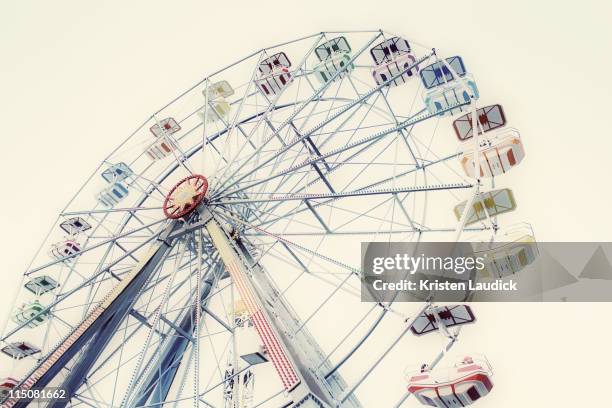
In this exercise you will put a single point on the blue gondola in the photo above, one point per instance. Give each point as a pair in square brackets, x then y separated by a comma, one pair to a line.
[453, 97]
[75, 225]
[438, 73]
[117, 172]
[41, 285]
[112, 195]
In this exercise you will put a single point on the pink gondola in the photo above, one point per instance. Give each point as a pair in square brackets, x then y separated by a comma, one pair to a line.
[7, 384]
[498, 155]
[274, 74]
[460, 386]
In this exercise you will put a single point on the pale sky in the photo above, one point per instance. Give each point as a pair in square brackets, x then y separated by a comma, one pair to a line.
[77, 77]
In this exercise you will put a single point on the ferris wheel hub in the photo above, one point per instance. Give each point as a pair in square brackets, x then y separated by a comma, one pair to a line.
[185, 196]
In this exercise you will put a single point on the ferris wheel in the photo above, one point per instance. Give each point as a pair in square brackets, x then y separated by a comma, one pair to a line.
[212, 259]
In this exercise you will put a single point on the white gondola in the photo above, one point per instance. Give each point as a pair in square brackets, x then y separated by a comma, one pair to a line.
[497, 155]
[274, 74]
[165, 127]
[218, 108]
[510, 258]
[458, 386]
[515, 249]
[334, 58]
[117, 172]
[6, 385]
[65, 248]
[441, 99]
[112, 195]
[30, 310]
[393, 57]
[41, 285]
[20, 349]
[75, 225]
[221, 89]
[493, 203]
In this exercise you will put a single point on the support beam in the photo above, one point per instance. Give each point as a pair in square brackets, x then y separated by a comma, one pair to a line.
[90, 337]
[286, 351]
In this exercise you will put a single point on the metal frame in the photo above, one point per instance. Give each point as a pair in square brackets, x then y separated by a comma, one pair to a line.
[281, 185]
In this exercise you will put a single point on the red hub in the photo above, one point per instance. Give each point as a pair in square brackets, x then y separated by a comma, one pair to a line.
[185, 196]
